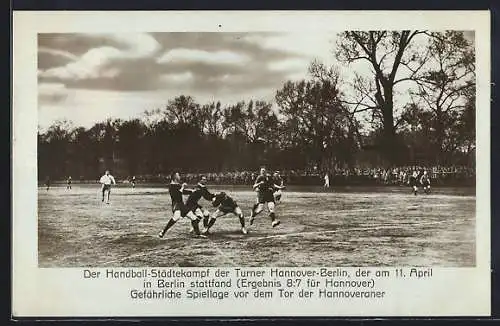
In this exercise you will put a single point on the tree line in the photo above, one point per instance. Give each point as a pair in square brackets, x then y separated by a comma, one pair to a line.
[325, 120]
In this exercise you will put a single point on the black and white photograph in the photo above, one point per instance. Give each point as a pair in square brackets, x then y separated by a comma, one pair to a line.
[262, 148]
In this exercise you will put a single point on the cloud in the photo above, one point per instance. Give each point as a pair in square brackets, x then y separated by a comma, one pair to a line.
[50, 93]
[177, 78]
[215, 57]
[98, 62]
[65, 54]
[93, 64]
[289, 65]
[120, 73]
[307, 46]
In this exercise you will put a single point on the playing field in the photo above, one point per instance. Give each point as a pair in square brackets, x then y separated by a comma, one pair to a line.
[340, 227]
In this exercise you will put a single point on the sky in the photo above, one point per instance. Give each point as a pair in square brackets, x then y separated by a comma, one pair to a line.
[86, 78]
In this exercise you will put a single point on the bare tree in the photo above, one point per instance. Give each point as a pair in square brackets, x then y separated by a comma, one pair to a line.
[445, 85]
[387, 53]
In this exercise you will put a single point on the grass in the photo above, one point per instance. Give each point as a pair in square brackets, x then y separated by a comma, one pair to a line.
[385, 226]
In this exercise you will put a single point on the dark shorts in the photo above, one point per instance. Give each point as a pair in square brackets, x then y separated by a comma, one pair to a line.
[426, 183]
[265, 197]
[106, 187]
[180, 207]
[226, 209]
[193, 207]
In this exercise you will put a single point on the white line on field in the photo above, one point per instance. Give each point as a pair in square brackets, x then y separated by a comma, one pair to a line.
[386, 226]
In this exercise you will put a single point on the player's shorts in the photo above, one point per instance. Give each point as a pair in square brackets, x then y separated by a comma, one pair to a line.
[228, 208]
[180, 207]
[193, 207]
[425, 183]
[265, 197]
[106, 188]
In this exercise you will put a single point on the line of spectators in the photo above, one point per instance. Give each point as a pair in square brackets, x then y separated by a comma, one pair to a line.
[440, 175]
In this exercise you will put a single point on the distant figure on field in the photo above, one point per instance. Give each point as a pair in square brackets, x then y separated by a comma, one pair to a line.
[47, 183]
[327, 181]
[68, 185]
[425, 181]
[106, 181]
[413, 182]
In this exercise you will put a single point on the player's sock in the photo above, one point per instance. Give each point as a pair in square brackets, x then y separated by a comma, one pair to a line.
[205, 221]
[253, 212]
[274, 221]
[211, 223]
[170, 223]
[242, 220]
[196, 227]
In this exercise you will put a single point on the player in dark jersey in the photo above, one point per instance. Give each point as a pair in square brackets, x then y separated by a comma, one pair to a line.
[425, 181]
[225, 205]
[179, 209]
[192, 202]
[413, 182]
[278, 180]
[265, 187]
[69, 181]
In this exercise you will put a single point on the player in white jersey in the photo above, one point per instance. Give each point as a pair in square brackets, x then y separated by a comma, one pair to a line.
[106, 181]
[327, 181]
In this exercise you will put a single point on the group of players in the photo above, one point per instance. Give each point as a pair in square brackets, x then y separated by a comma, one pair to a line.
[267, 186]
[420, 179]
[268, 190]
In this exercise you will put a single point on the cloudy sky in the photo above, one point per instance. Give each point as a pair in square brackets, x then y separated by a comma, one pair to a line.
[85, 78]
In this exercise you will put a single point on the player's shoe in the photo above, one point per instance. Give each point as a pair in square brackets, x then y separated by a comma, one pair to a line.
[275, 223]
[252, 219]
[201, 235]
[161, 234]
[244, 230]
[205, 232]
[191, 231]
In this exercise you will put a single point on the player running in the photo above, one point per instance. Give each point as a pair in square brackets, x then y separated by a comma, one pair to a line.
[179, 209]
[265, 187]
[413, 182]
[106, 181]
[425, 181]
[133, 181]
[225, 205]
[278, 180]
[68, 183]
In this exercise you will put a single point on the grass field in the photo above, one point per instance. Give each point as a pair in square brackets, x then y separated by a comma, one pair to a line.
[384, 226]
